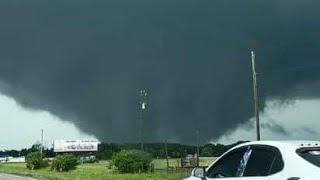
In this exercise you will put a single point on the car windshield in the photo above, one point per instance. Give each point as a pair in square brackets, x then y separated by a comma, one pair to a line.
[312, 155]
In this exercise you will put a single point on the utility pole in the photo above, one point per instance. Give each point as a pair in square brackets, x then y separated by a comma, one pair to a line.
[166, 152]
[143, 97]
[255, 94]
[198, 148]
[41, 147]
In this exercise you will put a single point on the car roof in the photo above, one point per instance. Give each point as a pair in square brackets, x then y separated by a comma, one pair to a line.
[282, 144]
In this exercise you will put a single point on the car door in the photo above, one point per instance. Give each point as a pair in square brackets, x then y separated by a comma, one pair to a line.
[227, 167]
[265, 163]
[249, 163]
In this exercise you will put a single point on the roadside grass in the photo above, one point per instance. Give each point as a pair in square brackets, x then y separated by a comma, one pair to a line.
[206, 161]
[99, 171]
[162, 163]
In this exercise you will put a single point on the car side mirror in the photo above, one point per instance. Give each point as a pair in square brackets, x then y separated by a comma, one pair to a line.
[200, 172]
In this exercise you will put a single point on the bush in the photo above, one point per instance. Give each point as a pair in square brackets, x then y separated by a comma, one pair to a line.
[104, 155]
[207, 152]
[132, 161]
[35, 161]
[64, 162]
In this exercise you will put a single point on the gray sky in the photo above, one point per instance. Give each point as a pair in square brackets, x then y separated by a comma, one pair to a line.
[20, 127]
[294, 120]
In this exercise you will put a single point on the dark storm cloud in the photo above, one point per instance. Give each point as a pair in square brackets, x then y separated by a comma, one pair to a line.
[85, 61]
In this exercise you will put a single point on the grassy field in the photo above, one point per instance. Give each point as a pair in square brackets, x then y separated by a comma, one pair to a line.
[162, 163]
[100, 171]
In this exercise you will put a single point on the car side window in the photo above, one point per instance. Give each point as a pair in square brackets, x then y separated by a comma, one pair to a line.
[227, 166]
[277, 165]
[263, 162]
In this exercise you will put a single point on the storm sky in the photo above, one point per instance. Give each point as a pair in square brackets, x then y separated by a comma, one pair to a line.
[85, 62]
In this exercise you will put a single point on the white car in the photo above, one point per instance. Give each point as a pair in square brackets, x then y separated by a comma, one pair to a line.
[265, 160]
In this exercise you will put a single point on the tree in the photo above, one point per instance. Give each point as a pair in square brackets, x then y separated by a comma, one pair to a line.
[132, 161]
[207, 151]
[64, 162]
[35, 161]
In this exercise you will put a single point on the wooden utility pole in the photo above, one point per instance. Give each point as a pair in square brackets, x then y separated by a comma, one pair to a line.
[255, 94]
[166, 152]
[41, 146]
[198, 148]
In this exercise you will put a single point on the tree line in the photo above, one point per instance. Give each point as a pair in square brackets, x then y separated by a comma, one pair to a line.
[157, 150]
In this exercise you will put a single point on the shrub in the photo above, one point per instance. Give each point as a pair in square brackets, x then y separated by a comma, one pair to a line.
[44, 163]
[64, 162]
[132, 161]
[35, 161]
[207, 151]
[104, 155]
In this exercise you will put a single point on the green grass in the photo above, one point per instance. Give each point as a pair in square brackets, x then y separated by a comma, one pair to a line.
[162, 163]
[99, 171]
[206, 161]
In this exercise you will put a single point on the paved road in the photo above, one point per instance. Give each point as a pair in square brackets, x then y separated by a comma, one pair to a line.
[13, 177]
